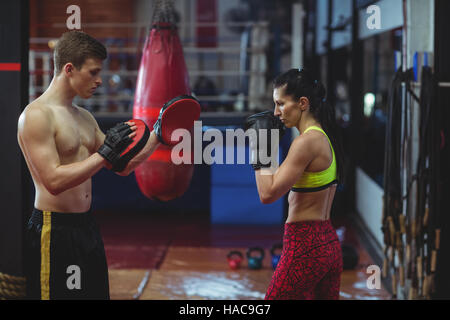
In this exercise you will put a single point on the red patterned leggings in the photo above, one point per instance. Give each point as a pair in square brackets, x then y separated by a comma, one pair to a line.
[310, 266]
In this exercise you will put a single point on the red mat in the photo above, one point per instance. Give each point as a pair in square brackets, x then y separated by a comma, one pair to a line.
[134, 257]
[133, 241]
[140, 241]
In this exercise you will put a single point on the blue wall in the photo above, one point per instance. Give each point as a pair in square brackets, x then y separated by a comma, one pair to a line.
[227, 193]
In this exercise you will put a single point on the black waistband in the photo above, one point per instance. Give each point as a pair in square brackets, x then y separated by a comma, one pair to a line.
[315, 189]
[66, 219]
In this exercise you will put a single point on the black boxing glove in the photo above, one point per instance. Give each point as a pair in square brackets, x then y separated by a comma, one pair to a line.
[268, 121]
[116, 141]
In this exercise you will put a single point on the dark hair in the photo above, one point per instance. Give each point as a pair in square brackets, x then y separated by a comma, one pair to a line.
[299, 83]
[76, 47]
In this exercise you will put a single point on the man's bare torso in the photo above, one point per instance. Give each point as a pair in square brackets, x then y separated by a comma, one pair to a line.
[74, 137]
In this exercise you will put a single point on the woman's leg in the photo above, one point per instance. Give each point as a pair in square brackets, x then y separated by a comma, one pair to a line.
[298, 274]
[328, 288]
[311, 255]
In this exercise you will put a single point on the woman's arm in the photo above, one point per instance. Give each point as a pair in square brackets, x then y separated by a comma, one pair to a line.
[272, 186]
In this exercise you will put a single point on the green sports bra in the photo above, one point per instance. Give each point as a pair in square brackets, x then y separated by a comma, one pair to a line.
[316, 181]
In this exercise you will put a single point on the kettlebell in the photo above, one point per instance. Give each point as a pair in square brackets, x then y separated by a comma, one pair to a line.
[275, 254]
[234, 259]
[255, 262]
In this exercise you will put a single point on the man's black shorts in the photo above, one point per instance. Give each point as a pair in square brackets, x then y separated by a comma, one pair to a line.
[65, 257]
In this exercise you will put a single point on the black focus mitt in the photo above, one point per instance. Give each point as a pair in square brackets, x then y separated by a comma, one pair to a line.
[118, 148]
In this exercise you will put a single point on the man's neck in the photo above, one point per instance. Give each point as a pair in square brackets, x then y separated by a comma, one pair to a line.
[59, 92]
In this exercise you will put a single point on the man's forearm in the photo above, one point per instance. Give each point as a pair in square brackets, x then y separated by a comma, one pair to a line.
[71, 175]
[143, 155]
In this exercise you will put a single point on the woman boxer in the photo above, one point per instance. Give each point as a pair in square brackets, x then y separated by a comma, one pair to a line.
[311, 260]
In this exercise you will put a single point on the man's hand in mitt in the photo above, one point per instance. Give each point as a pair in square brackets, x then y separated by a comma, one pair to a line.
[119, 148]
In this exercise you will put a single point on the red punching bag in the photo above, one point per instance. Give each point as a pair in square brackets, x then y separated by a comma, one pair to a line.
[162, 76]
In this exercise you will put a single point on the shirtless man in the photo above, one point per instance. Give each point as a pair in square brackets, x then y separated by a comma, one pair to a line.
[65, 257]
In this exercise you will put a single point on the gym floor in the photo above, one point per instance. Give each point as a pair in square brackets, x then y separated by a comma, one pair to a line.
[184, 257]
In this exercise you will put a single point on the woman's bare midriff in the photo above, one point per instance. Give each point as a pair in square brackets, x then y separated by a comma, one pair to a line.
[310, 205]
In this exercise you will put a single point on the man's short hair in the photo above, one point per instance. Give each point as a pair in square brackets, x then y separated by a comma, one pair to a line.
[76, 47]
